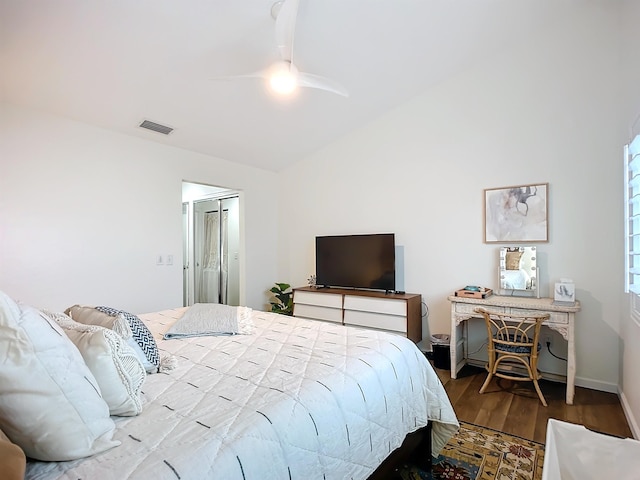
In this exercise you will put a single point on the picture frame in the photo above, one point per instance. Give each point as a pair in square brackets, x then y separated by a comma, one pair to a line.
[564, 292]
[516, 214]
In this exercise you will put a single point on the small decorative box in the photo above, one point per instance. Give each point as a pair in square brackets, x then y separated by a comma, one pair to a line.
[481, 293]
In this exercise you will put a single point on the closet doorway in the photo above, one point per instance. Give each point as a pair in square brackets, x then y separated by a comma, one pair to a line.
[211, 244]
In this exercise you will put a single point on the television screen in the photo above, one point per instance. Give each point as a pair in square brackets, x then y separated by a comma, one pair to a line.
[356, 261]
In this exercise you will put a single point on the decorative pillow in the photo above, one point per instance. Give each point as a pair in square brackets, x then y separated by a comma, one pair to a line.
[13, 461]
[116, 366]
[136, 332]
[91, 316]
[50, 402]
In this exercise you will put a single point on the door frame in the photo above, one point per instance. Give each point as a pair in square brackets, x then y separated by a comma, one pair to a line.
[196, 191]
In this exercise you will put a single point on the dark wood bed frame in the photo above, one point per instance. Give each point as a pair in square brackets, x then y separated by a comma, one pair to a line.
[416, 449]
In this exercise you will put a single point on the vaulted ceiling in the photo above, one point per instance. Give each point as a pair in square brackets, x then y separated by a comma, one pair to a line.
[115, 63]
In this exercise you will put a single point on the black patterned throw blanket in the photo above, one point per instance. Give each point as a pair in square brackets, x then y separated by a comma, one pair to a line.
[203, 319]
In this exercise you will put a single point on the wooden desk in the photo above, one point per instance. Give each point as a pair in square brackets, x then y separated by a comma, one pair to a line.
[562, 320]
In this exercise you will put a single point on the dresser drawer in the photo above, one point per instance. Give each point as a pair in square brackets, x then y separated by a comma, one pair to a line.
[554, 317]
[470, 308]
[320, 299]
[376, 320]
[314, 312]
[376, 305]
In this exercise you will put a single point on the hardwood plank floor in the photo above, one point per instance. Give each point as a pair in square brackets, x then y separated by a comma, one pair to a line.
[514, 407]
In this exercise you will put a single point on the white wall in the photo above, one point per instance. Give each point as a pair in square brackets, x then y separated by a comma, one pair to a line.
[630, 338]
[85, 211]
[546, 111]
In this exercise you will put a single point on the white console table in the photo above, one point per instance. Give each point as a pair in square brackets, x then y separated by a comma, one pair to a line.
[562, 320]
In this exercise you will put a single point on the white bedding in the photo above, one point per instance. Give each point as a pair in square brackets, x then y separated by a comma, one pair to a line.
[296, 399]
[515, 280]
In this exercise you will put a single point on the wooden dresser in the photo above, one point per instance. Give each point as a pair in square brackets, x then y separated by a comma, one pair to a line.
[393, 312]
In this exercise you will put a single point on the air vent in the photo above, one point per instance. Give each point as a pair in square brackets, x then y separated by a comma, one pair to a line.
[156, 127]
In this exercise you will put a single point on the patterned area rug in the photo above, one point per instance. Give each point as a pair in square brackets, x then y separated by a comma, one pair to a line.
[478, 453]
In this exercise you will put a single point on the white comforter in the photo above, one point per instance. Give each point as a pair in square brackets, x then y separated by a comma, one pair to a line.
[296, 399]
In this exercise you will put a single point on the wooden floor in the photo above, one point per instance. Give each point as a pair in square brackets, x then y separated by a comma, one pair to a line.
[514, 407]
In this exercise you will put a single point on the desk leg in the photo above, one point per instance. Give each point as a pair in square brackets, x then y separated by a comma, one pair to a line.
[457, 334]
[571, 361]
[453, 342]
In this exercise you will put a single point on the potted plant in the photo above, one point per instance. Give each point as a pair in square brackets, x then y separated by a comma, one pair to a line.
[283, 299]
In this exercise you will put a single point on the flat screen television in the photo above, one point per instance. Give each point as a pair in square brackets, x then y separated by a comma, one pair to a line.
[356, 261]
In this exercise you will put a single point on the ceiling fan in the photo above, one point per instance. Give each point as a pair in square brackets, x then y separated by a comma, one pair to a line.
[283, 77]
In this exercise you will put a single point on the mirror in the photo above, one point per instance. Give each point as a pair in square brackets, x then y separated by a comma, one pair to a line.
[518, 271]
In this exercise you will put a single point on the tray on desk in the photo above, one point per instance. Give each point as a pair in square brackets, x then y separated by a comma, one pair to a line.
[472, 294]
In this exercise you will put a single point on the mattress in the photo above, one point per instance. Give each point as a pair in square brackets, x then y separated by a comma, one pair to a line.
[294, 399]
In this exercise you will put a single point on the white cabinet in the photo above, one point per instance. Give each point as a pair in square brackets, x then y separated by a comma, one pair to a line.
[398, 313]
[316, 306]
[376, 313]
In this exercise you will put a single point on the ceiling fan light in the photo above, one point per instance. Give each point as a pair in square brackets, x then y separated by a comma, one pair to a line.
[283, 79]
[283, 84]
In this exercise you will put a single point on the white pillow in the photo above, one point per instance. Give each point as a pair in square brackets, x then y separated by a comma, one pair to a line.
[122, 323]
[119, 372]
[91, 316]
[50, 402]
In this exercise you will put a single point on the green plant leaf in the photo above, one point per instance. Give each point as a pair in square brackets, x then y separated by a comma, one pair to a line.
[283, 303]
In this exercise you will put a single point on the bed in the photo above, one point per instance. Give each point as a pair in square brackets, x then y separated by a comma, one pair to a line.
[289, 399]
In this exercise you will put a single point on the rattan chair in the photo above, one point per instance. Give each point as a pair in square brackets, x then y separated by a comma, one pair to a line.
[513, 347]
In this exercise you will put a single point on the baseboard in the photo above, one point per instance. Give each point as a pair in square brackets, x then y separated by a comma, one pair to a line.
[510, 368]
[626, 408]
[597, 385]
[554, 377]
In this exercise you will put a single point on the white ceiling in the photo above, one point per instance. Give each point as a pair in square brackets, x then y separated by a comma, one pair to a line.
[114, 63]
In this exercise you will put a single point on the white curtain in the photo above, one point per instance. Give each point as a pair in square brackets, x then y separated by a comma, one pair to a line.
[210, 259]
[224, 235]
[214, 259]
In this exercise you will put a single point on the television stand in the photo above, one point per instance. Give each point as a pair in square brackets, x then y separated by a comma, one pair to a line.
[382, 310]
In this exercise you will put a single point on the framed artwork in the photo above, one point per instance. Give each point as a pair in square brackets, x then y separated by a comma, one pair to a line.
[564, 291]
[516, 214]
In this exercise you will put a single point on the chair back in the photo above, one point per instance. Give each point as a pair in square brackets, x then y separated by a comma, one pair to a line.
[513, 342]
[514, 331]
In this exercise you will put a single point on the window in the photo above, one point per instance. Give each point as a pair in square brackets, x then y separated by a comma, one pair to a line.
[632, 225]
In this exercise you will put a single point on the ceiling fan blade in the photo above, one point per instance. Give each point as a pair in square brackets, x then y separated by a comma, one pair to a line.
[322, 83]
[283, 77]
[285, 28]
[259, 74]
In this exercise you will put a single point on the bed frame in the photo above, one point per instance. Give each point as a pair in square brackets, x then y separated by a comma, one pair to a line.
[415, 449]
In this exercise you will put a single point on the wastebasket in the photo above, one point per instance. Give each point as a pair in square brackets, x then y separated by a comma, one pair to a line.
[441, 352]
[573, 452]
